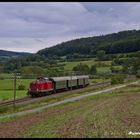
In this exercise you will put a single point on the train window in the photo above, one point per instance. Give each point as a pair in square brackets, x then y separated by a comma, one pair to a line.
[42, 79]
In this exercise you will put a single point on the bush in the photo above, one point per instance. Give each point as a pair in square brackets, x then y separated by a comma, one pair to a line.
[117, 79]
[82, 68]
[93, 70]
[115, 69]
[1, 78]
[21, 87]
[138, 74]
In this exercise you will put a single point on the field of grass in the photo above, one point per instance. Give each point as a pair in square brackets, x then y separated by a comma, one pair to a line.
[96, 81]
[6, 88]
[106, 115]
[112, 114]
[103, 70]
[9, 94]
[70, 65]
[5, 75]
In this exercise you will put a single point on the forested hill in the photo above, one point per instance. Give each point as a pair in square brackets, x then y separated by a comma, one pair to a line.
[4, 53]
[121, 42]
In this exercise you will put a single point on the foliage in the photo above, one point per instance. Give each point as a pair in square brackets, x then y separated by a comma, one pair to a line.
[100, 55]
[21, 87]
[138, 74]
[30, 70]
[115, 69]
[121, 42]
[117, 79]
[4, 53]
[83, 68]
[131, 65]
[93, 70]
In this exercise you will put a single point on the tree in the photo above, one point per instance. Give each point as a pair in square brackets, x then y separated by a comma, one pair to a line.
[81, 68]
[32, 71]
[117, 79]
[138, 74]
[1, 69]
[93, 70]
[100, 55]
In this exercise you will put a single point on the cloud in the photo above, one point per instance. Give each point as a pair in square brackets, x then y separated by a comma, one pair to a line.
[33, 26]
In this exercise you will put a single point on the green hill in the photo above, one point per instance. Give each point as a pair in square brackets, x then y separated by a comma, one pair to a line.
[6, 54]
[121, 42]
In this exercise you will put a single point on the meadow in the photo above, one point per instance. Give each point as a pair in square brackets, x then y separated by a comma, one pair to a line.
[99, 116]
[111, 114]
[6, 88]
[69, 65]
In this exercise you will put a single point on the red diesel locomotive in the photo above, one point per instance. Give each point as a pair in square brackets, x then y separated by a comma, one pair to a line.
[44, 86]
[40, 87]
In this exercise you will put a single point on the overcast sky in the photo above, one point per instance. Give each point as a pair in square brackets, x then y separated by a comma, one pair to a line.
[32, 26]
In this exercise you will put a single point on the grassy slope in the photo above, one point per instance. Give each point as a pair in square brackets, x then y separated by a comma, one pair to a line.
[103, 69]
[106, 115]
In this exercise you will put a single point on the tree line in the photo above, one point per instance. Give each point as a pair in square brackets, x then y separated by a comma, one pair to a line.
[121, 42]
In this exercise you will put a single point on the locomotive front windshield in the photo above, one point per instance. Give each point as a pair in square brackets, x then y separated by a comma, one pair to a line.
[41, 79]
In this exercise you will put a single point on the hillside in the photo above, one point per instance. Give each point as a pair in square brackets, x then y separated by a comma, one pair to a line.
[7, 54]
[121, 42]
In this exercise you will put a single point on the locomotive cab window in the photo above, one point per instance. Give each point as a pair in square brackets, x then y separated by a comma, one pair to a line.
[40, 79]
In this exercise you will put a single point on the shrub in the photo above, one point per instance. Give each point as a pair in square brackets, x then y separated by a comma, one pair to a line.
[1, 78]
[21, 87]
[117, 79]
[138, 74]
[93, 70]
[81, 68]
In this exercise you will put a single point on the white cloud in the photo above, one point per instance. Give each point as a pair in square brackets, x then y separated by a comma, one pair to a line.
[34, 26]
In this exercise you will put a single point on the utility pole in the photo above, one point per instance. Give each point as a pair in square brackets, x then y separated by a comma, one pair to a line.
[71, 74]
[15, 78]
[14, 86]
[71, 80]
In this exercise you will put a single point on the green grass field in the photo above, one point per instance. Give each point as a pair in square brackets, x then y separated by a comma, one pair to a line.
[5, 75]
[112, 114]
[105, 115]
[70, 65]
[101, 70]
[9, 94]
[6, 88]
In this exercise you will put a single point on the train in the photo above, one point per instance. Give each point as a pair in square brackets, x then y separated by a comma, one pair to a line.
[44, 86]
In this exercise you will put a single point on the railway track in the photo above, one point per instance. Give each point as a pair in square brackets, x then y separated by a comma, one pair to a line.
[28, 98]
[16, 101]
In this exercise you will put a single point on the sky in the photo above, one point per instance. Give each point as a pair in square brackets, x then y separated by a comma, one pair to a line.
[32, 26]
